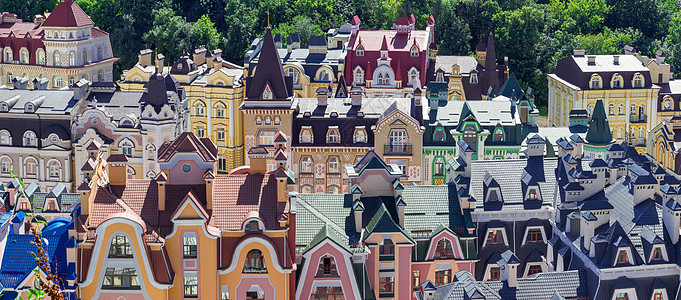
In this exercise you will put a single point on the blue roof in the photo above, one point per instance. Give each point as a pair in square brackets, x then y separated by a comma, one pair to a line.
[19, 217]
[17, 261]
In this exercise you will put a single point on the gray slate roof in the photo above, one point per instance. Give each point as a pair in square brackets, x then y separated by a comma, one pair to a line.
[55, 102]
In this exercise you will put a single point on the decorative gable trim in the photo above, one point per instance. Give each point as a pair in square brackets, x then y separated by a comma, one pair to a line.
[448, 235]
[503, 233]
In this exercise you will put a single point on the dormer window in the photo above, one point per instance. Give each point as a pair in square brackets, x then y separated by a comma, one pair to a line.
[258, 120]
[532, 194]
[120, 247]
[657, 254]
[327, 266]
[622, 257]
[291, 72]
[659, 294]
[495, 237]
[444, 249]
[358, 76]
[474, 78]
[5, 137]
[252, 226]
[360, 135]
[534, 235]
[617, 81]
[268, 120]
[595, 82]
[439, 135]
[667, 103]
[498, 135]
[30, 139]
[333, 136]
[493, 196]
[4, 107]
[30, 108]
[413, 76]
[306, 135]
[638, 80]
[622, 296]
[414, 51]
[359, 51]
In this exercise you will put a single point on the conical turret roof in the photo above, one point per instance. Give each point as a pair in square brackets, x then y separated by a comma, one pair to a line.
[599, 128]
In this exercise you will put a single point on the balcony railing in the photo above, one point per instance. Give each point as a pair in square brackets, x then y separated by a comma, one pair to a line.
[642, 118]
[404, 149]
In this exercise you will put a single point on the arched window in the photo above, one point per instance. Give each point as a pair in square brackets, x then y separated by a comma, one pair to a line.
[220, 111]
[358, 76]
[9, 77]
[444, 249]
[380, 78]
[72, 59]
[398, 141]
[24, 56]
[268, 120]
[6, 165]
[595, 82]
[255, 262]
[277, 120]
[84, 57]
[620, 111]
[8, 55]
[258, 120]
[439, 167]
[439, 135]
[333, 165]
[5, 137]
[327, 266]
[333, 136]
[306, 135]
[55, 58]
[100, 75]
[414, 51]
[638, 80]
[30, 139]
[41, 56]
[99, 53]
[200, 109]
[360, 136]
[470, 136]
[126, 147]
[617, 81]
[611, 109]
[498, 135]
[413, 76]
[323, 75]
[306, 164]
[667, 103]
[72, 80]
[291, 72]
[120, 247]
[57, 82]
[359, 51]
[474, 78]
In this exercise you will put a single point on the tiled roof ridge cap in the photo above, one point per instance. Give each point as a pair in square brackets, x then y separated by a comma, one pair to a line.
[321, 216]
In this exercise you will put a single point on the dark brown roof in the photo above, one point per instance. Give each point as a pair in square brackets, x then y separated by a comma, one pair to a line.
[161, 177]
[118, 158]
[188, 142]
[89, 165]
[258, 150]
[279, 137]
[68, 14]
[269, 72]
[161, 267]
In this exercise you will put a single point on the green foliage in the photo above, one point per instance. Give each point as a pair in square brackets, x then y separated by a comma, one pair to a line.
[606, 42]
[580, 16]
[26, 9]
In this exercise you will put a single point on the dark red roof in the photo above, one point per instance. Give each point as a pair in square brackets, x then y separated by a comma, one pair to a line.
[117, 158]
[161, 177]
[89, 165]
[269, 73]
[402, 21]
[384, 44]
[209, 174]
[280, 155]
[412, 19]
[188, 142]
[68, 14]
[84, 186]
[355, 20]
[431, 20]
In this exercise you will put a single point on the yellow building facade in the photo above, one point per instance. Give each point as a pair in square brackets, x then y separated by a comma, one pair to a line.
[215, 90]
[628, 87]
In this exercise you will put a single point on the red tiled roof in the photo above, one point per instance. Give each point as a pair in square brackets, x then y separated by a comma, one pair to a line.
[68, 14]
[372, 40]
[104, 204]
[18, 28]
[141, 195]
[191, 196]
[237, 195]
[161, 267]
[402, 21]
[188, 142]
[355, 20]
[96, 32]
[431, 20]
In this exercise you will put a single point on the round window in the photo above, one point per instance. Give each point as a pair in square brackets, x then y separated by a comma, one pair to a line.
[95, 121]
[186, 168]
[53, 138]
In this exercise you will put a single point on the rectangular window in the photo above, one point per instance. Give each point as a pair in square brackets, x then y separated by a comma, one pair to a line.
[200, 131]
[534, 270]
[266, 138]
[622, 296]
[191, 287]
[493, 273]
[120, 247]
[657, 254]
[387, 250]
[222, 163]
[189, 246]
[221, 134]
[121, 278]
[386, 284]
[442, 276]
[622, 257]
[327, 293]
[534, 236]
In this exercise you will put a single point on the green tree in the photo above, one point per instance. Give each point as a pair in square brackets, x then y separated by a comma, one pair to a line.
[452, 34]
[206, 34]
[170, 35]
[580, 16]
[26, 9]
[607, 42]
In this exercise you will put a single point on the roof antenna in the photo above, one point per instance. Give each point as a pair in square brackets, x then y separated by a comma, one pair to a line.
[268, 18]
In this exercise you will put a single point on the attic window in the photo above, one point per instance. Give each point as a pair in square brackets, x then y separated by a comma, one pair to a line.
[439, 135]
[622, 257]
[307, 114]
[334, 114]
[493, 196]
[414, 51]
[474, 78]
[359, 51]
[657, 254]
[267, 93]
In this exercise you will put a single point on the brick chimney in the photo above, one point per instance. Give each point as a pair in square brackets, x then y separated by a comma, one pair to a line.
[258, 158]
[144, 58]
[282, 181]
[84, 191]
[161, 180]
[118, 169]
[159, 63]
[209, 177]
[199, 56]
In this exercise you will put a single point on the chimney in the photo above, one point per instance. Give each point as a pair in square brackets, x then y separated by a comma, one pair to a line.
[209, 61]
[535, 146]
[118, 169]
[282, 184]
[199, 56]
[401, 205]
[217, 54]
[322, 96]
[671, 217]
[417, 111]
[509, 268]
[40, 83]
[161, 180]
[258, 158]
[587, 228]
[591, 60]
[20, 83]
[12, 194]
[80, 88]
[358, 209]
[579, 53]
[357, 95]
[159, 63]
[616, 60]
[144, 57]
[84, 191]
[209, 176]
[356, 191]
[659, 56]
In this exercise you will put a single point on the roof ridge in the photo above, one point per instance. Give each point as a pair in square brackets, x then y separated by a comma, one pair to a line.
[319, 215]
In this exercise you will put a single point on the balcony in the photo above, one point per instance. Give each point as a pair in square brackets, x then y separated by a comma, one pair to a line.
[641, 118]
[399, 150]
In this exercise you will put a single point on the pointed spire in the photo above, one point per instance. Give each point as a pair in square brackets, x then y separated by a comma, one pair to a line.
[398, 71]
[417, 44]
[599, 128]
[384, 45]
[269, 73]
[491, 57]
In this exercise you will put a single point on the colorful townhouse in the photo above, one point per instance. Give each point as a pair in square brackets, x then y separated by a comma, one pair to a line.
[189, 232]
[215, 90]
[471, 77]
[390, 63]
[35, 134]
[62, 47]
[617, 221]
[321, 64]
[494, 129]
[629, 84]
[383, 239]
[134, 124]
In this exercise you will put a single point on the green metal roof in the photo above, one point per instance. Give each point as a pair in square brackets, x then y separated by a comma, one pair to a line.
[326, 233]
[599, 128]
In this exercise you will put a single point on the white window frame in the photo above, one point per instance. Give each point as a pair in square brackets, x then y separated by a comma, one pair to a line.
[503, 233]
